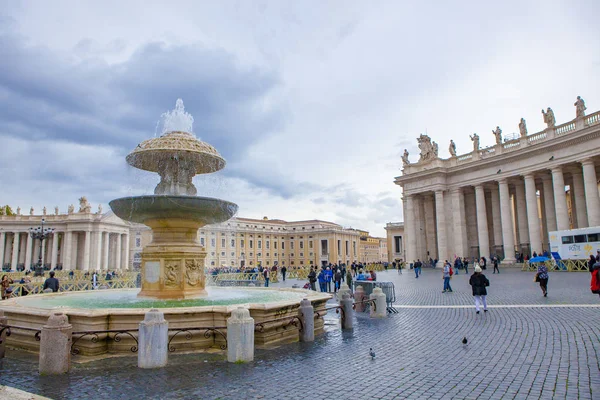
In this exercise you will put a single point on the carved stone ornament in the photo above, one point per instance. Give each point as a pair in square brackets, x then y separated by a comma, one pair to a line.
[171, 275]
[427, 148]
[84, 205]
[193, 272]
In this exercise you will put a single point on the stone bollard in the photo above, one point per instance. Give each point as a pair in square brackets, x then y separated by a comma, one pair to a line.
[153, 340]
[380, 304]
[55, 345]
[346, 304]
[307, 316]
[359, 295]
[340, 293]
[3, 321]
[240, 336]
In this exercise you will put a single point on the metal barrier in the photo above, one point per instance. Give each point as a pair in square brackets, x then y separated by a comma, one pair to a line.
[559, 265]
[387, 288]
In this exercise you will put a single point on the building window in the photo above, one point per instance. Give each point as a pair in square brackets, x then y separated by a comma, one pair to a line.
[222, 242]
[251, 244]
[232, 254]
[291, 245]
[212, 242]
[301, 254]
[354, 248]
[302, 244]
[201, 241]
[275, 245]
[339, 246]
[242, 243]
[212, 263]
[282, 245]
[232, 242]
[310, 245]
[260, 244]
[347, 247]
[267, 244]
[275, 255]
[138, 242]
[259, 254]
[212, 253]
[222, 254]
[292, 255]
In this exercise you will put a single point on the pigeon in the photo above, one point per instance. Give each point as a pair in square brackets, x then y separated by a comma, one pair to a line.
[464, 341]
[372, 354]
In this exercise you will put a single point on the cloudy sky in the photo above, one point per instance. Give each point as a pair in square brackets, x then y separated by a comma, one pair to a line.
[310, 102]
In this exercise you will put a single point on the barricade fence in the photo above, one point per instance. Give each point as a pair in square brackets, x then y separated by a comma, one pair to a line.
[559, 265]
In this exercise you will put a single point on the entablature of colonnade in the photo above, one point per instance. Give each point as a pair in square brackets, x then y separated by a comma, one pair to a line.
[563, 145]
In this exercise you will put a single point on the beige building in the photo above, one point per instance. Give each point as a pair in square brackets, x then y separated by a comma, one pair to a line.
[504, 198]
[371, 249]
[268, 242]
[81, 240]
[395, 243]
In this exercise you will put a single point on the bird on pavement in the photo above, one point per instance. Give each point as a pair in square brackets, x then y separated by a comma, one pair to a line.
[464, 341]
[372, 354]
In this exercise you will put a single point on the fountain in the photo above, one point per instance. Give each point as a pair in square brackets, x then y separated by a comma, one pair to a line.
[172, 264]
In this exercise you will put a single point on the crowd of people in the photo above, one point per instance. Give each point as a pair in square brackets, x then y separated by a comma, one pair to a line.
[332, 275]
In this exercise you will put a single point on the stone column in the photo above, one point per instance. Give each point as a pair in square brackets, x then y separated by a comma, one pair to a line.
[508, 238]
[482, 226]
[15, 251]
[28, 252]
[2, 240]
[240, 336]
[579, 197]
[521, 213]
[411, 245]
[548, 201]
[98, 250]
[153, 338]
[125, 251]
[380, 309]
[87, 259]
[441, 227]
[54, 259]
[346, 303]
[459, 222]
[55, 345]
[560, 199]
[306, 313]
[67, 250]
[429, 219]
[105, 244]
[43, 251]
[497, 224]
[118, 253]
[592, 199]
[533, 220]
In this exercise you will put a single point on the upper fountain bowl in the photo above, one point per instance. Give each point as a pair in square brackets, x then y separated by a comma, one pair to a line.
[154, 154]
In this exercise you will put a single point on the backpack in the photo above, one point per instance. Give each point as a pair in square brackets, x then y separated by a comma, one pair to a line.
[450, 271]
[595, 282]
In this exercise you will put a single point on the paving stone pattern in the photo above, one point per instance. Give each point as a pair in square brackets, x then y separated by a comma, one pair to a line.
[513, 353]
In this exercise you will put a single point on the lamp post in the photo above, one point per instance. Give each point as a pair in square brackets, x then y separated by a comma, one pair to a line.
[40, 233]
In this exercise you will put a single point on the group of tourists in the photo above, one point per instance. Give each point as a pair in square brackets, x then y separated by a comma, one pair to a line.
[7, 291]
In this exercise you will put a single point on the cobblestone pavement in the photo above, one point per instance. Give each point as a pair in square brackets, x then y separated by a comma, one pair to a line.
[551, 351]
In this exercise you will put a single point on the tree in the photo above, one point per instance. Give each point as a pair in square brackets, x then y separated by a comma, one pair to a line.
[6, 210]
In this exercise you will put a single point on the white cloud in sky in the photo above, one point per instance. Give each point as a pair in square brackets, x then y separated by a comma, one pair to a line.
[311, 103]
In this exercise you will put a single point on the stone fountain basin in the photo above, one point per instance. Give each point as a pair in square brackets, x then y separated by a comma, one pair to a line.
[205, 210]
[276, 332]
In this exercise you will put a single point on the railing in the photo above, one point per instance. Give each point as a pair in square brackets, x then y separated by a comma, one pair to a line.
[20, 289]
[512, 145]
[536, 137]
[564, 128]
[559, 266]
[95, 338]
[464, 158]
[592, 119]
[7, 329]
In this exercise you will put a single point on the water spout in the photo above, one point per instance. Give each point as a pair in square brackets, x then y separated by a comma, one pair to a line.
[177, 119]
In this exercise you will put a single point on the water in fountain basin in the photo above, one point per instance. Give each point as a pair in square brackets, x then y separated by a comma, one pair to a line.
[176, 120]
[127, 298]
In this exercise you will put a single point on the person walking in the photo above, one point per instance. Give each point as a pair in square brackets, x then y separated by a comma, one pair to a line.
[542, 277]
[312, 278]
[5, 291]
[466, 264]
[283, 272]
[416, 267]
[496, 262]
[322, 281]
[479, 283]
[328, 278]
[337, 280]
[266, 275]
[446, 274]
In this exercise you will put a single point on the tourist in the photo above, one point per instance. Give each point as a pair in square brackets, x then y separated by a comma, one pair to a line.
[94, 281]
[361, 276]
[483, 263]
[312, 278]
[479, 282]
[373, 275]
[446, 276]
[266, 275]
[466, 264]
[542, 277]
[51, 283]
[591, 262]
[349, 278]
[496, 262]
[595, 281]
[26, 284]
[5, 290]
[283, 271]
[328, 278]
[417, 267]
[322, 281]
[337, 280]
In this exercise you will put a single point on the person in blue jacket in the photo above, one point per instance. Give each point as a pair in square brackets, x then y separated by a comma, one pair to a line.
[328, 278]
[322, 282]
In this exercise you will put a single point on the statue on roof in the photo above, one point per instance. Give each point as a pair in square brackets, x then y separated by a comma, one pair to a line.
[71, 209]
[44, 210]
[498, 134]
[31, 211]
[549, 117]
[56, 210]
[523, 127]
[84, 205]
[580, 107]
[452, 148]
[426, 147]
[405, 158]
[18, 210]
[475, 139]
[99, 209]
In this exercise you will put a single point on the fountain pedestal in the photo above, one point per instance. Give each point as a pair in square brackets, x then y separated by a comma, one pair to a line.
[173, 263]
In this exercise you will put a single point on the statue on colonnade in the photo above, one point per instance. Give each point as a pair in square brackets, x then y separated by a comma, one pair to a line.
[71, 209]
[84, 205]
[498, 134]
[99, 209]
[428, 149]
[475, 139]
[56, 210]
[405, 158]
[31, 211]
[18, 210]
[452, 148]
[44, 210]
[549, 117]
[523, 127]
[580, 107]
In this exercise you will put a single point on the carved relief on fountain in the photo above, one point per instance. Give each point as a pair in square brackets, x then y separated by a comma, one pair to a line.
[193, 272]
[172, 273]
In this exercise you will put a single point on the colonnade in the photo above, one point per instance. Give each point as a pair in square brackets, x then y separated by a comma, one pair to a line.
[501, 216]
[71, 249]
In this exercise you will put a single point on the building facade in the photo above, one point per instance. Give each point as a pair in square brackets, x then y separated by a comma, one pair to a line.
[395, 241]
[371, 249]
[81, 240]
[503, 199]
[269, 242]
